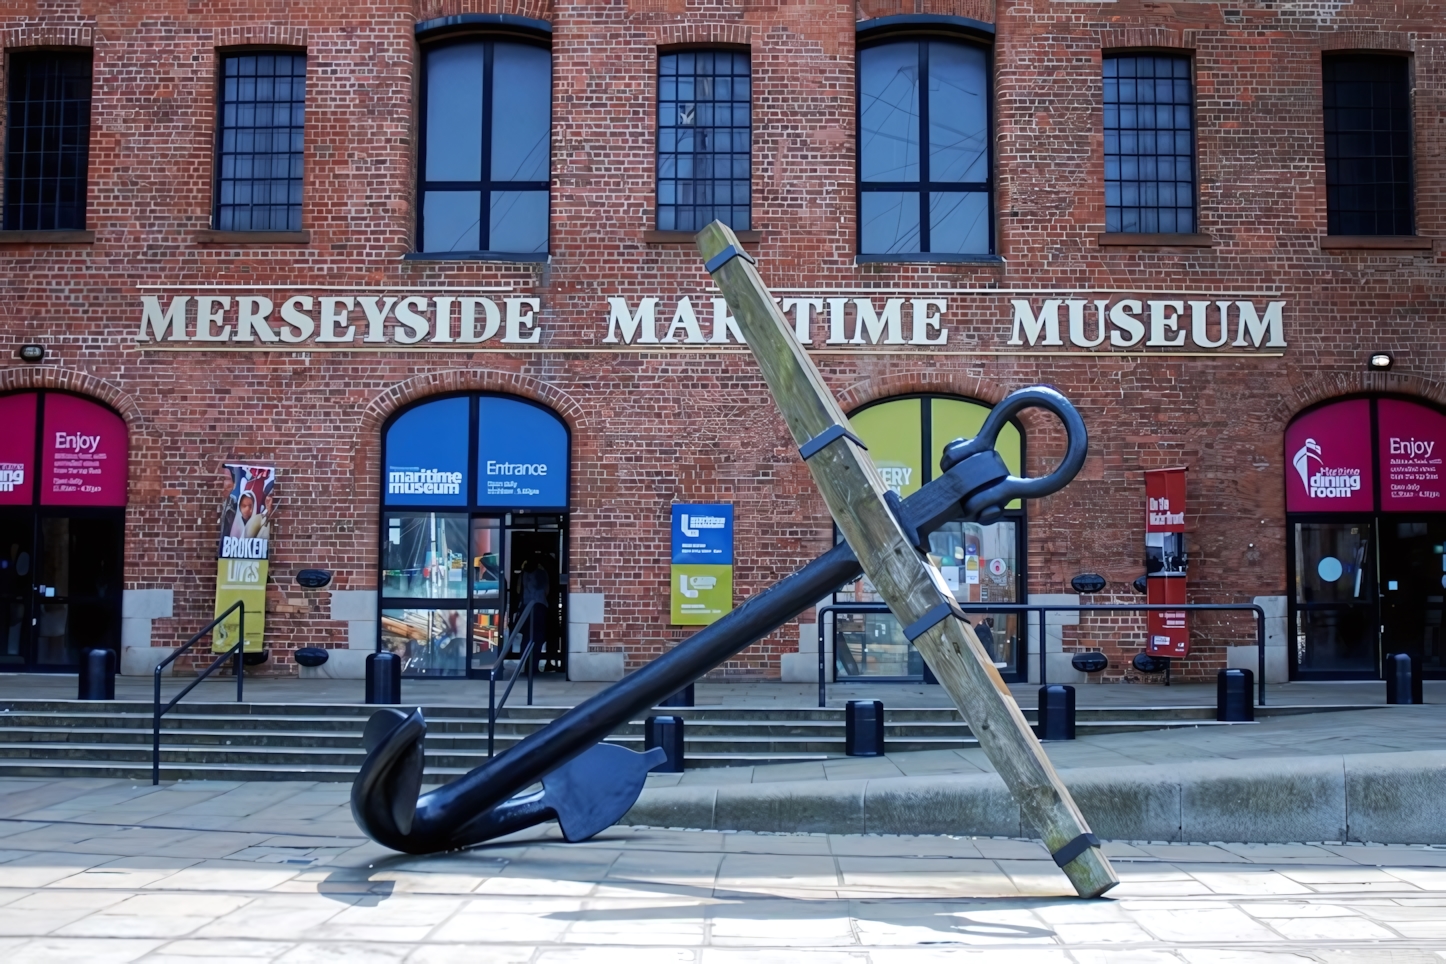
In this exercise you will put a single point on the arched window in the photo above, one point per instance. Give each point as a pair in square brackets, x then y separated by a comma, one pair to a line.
[474, 494]
[485, 153]
[63, 478]
[982, 564]
[925, 180]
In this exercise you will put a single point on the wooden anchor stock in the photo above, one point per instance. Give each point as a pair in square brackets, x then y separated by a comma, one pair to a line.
[909, 583]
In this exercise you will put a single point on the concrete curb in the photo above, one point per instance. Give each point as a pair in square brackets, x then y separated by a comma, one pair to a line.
[1376, 797]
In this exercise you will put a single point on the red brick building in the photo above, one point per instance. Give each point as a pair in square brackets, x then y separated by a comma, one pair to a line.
[261, 235]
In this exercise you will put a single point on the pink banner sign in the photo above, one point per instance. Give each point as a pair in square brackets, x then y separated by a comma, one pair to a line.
[1413, 442]
[83, 451]
[1328, 451]
[17, 449]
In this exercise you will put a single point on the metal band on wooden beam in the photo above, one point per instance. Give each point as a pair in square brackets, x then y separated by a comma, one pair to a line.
[726, 255]
[826, 438]
[1074, 848]
[929, 620]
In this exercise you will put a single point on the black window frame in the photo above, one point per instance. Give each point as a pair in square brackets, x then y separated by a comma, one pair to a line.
[658, 205]
[15, 183]
[223, 55]
[1333, 60]
[1188, 58]
[923, 29]
[488, 30]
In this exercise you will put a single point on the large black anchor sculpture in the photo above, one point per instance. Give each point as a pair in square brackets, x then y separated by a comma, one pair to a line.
[587, 785]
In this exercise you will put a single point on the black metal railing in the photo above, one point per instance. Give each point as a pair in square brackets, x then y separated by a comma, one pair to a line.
[494, 707]
[235, 651]
[1044, 610]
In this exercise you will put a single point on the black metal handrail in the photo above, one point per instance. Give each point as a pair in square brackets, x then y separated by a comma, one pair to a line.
[1044, 610]
[493, 706]
[235, 651]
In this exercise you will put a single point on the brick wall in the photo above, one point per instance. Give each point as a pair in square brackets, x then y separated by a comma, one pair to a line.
[697, 425]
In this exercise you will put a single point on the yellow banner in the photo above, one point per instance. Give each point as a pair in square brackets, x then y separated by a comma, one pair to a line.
[243, 579]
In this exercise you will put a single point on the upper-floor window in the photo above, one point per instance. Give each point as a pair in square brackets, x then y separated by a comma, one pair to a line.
[486, 149]
[924, 167]
[705, 138]
[259, 142]
[47, 140]
[1367, 145]
[1149, 145]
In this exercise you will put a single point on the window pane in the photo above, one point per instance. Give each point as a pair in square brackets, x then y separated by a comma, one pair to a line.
[704, 138]
[262, 117]
[1367, 145]
[959, 222]
[424, 555]
[451, 221]
[48, 141]
[429, 642]
[1149, 145]
[958, 114]
[519, 222]
[454, 114]
[889, 112]
[889, 222]
[521, 114]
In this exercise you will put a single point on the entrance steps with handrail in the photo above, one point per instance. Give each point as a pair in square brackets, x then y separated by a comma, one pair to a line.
[281, 741]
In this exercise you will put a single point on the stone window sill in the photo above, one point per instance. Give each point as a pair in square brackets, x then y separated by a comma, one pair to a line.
[686, 237]
[1156, 241]
[500, 256]
[47, 237]
[209, 236]
[928, 258]
[1374, 242]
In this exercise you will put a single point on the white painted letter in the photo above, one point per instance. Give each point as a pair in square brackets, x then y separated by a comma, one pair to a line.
[620, 319]
[1165, 316]
[803, 309]
[331, 317]
[516, 321]
[1030, 327]
[890, 320]
[443, 330]
[252, 312]
[685, 319]
[1122, 316]
[205, 317]
[1076, 324]
[407, 314]
[1200, 324]
[376, 318]
[836, 321]
[291, 313]
[923, 321]
[1257, 326]
[174, 318]
[468, 321]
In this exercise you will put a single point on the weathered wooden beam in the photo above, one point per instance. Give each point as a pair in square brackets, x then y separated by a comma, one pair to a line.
[911, 585]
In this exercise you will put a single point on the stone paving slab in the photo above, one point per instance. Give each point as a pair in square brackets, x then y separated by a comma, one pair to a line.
[311, 889]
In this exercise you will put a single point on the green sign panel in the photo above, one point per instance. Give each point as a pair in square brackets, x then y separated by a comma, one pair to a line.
[701, 593]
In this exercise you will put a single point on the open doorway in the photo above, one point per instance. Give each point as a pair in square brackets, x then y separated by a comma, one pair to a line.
[535, 591]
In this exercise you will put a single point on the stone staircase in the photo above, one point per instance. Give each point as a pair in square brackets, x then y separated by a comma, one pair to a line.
[274, 741]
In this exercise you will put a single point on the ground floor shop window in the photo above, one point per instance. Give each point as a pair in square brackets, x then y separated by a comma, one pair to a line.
[63, 478]
[981, 564]
[1366, 504]
[473, 535]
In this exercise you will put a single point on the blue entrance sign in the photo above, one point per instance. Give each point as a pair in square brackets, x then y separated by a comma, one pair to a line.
[427, 455]
[703, 534]
[521, 455]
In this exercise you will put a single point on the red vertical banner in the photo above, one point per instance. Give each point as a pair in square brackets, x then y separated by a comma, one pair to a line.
[1167, 633]
[17, 449]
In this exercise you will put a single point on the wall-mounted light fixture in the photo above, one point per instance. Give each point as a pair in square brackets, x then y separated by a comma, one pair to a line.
[1381, 361]
[32, 353]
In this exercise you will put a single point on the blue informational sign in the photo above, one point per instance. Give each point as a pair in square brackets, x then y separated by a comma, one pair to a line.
[703, 534]
[521, 455]
[427, 455]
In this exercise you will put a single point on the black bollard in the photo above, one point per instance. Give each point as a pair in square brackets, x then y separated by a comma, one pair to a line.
[665, 732]
[1403, 683]
[97, 675]
[682, 698]
[1235, 696]
[1056, 712]
[864, 728]
[384, 678]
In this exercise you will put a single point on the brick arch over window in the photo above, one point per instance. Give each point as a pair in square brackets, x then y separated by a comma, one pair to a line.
[80, 383]
[531, 9]
[1326, 387]
[1368, 40]
[366, 465]
[44, 33]
[973, 9]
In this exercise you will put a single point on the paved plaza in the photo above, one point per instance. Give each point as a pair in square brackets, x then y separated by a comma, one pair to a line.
[100, 871]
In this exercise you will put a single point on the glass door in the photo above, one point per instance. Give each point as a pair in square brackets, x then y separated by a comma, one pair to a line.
[17, 531]
[1335, 600]
[1413, 587]
[489, 588]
